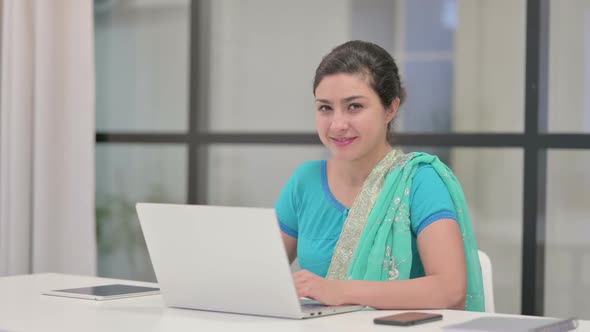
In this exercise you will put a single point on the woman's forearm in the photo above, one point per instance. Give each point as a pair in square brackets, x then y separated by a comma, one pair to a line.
[430, 292]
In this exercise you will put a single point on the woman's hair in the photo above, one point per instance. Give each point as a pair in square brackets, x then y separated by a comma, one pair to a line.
[368, 60]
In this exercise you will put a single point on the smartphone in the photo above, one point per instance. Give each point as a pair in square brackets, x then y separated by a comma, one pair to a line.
[408, 318]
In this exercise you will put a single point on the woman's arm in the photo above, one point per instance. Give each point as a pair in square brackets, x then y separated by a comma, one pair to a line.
[290, 246]
[444, 286]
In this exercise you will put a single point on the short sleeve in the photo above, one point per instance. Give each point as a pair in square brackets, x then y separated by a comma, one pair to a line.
[430, 199]
[286, 207]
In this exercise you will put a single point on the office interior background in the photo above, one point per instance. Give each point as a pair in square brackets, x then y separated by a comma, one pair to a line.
[210, 101]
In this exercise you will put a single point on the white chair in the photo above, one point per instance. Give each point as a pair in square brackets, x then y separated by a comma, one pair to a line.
[488, 286]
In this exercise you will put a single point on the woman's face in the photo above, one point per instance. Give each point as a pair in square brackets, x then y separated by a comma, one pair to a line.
[350, 118]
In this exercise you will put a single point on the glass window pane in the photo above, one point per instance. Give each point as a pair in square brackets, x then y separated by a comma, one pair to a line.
[428, 107]
[263, 171]
[127, 174]
[263, 55]
[464, 68]
[569, 66]
[435, 31]
[496, 209]
[489, 66]
[142, 67]
[567, 252]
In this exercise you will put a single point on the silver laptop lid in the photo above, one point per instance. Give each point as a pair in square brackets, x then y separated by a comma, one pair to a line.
[228, 259]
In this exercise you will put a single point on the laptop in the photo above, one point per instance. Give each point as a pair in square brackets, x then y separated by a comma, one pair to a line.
[225, 259]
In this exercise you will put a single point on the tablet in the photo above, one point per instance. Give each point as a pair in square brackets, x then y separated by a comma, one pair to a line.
[104, 292]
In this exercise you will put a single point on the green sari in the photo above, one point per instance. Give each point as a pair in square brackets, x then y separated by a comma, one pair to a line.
[376, 242]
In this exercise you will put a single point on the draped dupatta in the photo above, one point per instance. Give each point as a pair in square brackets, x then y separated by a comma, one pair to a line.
[376, 242]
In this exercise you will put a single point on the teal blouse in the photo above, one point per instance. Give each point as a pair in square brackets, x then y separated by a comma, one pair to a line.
[308, 211]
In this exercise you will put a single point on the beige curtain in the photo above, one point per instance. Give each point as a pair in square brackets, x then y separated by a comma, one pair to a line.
[47, 137]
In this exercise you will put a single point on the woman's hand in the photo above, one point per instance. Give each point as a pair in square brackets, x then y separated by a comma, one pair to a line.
[328, 292]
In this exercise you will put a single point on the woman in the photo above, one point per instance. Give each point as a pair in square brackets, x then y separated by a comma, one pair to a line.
[372, 225]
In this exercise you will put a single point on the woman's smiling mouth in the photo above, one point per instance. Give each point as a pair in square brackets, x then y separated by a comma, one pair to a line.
[343, 141]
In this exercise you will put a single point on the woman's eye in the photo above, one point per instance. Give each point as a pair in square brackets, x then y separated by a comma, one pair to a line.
[324, 108]
[355, 107]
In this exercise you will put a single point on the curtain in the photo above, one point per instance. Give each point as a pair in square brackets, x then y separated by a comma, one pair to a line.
[47, 130]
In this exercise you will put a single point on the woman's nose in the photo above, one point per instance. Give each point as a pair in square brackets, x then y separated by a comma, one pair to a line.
[339, 121]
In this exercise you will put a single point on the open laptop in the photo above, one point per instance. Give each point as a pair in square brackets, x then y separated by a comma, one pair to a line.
[227, 259]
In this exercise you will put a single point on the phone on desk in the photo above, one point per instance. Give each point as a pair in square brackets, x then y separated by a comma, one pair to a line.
[408, 319]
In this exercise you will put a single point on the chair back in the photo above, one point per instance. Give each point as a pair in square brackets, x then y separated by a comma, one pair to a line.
[488, 286]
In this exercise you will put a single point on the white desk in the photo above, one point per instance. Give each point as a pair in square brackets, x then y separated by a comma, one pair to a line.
[23, 308]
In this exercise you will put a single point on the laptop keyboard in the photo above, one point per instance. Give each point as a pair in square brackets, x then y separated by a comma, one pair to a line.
[311, 305]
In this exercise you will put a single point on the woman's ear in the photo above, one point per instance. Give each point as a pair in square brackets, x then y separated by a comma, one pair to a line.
[391, 111]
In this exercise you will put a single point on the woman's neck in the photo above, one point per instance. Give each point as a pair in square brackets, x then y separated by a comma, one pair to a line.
[353, 173]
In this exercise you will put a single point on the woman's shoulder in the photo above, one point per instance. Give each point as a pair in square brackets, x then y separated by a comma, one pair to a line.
[423, 160]
[421, 157]
[425, 173]
[428, 177]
